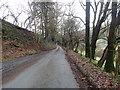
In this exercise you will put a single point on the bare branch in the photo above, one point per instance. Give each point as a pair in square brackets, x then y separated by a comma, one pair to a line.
[82, 4]
[3, 5]
[92, 7]
[101, 9]
[75, 17]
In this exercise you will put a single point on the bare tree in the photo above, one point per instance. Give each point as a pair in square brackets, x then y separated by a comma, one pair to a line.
[97, 27]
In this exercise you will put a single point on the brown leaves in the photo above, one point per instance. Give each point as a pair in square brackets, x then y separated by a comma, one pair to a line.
[109, 84]
[96, 76]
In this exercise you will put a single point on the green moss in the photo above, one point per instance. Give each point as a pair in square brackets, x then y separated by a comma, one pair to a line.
[6, 60]
[116, 80]
[91, 62]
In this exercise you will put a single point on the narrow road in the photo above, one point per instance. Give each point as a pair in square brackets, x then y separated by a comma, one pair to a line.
[50, 71]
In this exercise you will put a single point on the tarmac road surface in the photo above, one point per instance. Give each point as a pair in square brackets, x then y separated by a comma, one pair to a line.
[51, 70]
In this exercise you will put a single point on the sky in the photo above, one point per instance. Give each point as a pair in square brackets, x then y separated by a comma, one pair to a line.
[22, 4]
[14, 4]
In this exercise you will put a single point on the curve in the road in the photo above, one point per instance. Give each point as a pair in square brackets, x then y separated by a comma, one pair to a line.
[52, 71]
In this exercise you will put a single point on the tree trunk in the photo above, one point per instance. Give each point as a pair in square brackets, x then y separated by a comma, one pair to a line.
[42, 27]
[46, 29]
[46, 20]
[102, 60]
[94, 38]
[109, 65]
[87, 34]
[76, 49]
[117, 61]
[96, 30]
